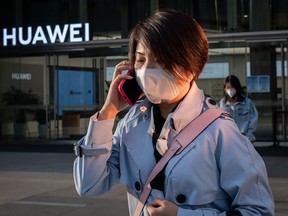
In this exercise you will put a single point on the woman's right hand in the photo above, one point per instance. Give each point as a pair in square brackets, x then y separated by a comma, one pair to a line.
[114, 102]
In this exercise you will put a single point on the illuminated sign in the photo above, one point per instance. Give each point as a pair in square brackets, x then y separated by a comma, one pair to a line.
[21, 76]
[69, 32]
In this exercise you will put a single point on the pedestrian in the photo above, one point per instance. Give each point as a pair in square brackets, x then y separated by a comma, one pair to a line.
[240, 107]
[219, 173]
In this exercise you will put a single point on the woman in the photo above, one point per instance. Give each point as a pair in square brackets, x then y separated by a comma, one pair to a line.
[240, 107]
[219, 173]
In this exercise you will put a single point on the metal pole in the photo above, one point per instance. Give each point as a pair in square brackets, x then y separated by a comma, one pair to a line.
[56, 105]
[283, 93]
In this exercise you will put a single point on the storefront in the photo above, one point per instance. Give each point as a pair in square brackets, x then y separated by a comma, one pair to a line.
[56, 65]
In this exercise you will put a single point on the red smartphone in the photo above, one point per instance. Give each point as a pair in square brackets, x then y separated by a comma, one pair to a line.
[130, 89]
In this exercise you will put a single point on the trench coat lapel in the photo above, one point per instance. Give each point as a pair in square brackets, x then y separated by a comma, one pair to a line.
[173, 161]
[139, 145]
[191, 110]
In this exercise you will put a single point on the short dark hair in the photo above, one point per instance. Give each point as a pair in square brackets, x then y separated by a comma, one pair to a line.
[174, 39]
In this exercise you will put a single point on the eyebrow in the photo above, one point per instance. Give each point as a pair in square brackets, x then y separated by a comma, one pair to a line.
[140, 52]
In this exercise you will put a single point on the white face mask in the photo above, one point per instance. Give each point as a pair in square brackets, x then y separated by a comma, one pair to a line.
[158, 85]
[231, 92]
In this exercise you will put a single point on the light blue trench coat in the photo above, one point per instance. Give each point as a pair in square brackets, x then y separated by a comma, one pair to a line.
[218, 172]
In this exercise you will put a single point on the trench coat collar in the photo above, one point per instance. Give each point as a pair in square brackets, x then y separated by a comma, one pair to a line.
[189, 108]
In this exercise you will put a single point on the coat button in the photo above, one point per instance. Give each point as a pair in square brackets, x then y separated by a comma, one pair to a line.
[181, 198]
[137, 186]
[212, 101]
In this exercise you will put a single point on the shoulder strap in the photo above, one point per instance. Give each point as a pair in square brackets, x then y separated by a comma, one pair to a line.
[185, 137]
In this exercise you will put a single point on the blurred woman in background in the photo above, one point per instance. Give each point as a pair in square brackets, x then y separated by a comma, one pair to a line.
[240, 107]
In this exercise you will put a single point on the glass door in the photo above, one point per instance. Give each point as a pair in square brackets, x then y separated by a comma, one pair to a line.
[75, 92]
[267, 86]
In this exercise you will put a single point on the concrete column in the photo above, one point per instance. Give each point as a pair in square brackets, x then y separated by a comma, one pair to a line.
[263, 62]
[232, 15]
[124, 19]
[262, 55]
[154, 5]
[83, 16]
[260, 15]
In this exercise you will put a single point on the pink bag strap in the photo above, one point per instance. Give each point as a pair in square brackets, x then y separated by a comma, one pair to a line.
[184, 138]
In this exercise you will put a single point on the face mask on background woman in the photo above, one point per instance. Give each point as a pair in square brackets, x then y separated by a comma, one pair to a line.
[231, 92]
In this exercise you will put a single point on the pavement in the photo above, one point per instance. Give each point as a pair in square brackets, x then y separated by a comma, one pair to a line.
[36, 179]
[35, 144]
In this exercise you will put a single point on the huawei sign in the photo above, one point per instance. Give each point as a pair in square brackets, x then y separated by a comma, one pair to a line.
[69, 32]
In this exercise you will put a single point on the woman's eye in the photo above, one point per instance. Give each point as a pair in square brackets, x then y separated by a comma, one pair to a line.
[139, 63]
[140, 60]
